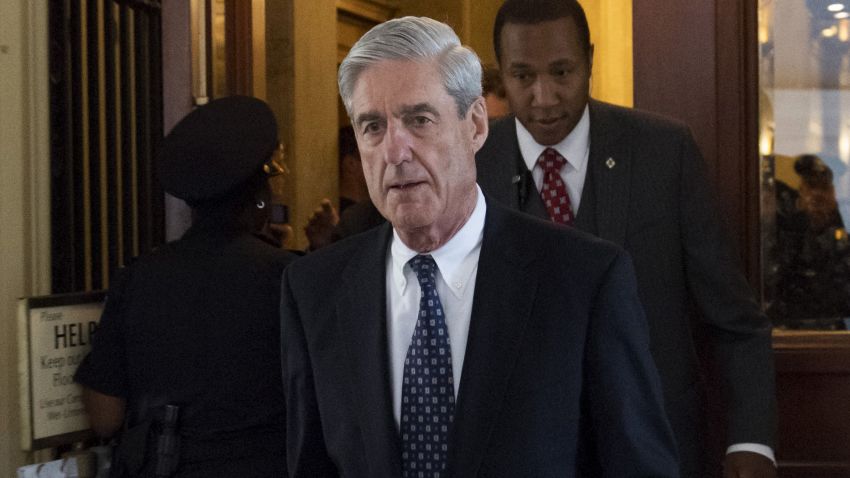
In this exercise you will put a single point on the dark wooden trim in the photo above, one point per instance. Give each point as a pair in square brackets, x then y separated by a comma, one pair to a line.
[785, 340]
[675, 65]
[738, 162]
[239, 47]
[61, 146]
[372, 12]
[128, 184]
[791, 469]
[813, 383]
[115, 211]
[93, 53]
[695, 61]
[78, 217]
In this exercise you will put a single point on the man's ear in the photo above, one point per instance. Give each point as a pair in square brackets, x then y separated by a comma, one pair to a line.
[480, 125]
[590, 59]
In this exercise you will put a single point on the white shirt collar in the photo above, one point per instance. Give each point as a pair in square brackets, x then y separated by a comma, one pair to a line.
[450, 257]
[573, 147]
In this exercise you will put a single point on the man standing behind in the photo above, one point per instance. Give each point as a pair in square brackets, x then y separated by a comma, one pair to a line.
[638, 180]
[461, 338]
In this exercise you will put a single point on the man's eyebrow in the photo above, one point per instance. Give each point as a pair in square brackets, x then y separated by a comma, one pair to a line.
[519, 65]
[368, 117]
[419, 108]
[562, 62]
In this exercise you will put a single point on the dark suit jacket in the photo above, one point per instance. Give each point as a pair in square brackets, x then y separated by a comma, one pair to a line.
[656, 202]
[557, 373]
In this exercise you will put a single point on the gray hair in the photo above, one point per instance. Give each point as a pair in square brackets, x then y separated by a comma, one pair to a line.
[415, 38]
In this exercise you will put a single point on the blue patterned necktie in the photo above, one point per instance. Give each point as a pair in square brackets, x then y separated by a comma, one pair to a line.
[427, 391]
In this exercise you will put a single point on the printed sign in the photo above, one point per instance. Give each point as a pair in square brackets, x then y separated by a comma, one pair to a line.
[58, 333]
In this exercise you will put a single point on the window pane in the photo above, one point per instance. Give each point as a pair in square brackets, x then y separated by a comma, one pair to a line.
[805, 147]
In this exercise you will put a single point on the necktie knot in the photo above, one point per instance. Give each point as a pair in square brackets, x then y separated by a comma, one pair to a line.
[426, 270]
[551, 161]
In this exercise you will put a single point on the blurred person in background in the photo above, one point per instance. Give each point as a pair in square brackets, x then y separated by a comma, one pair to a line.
[494, 93]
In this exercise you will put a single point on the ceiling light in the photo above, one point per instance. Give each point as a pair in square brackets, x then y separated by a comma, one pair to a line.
[841, 15]
[835, 7]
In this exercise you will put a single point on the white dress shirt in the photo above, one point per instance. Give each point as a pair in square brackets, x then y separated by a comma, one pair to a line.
[457, 261]
[575, 148]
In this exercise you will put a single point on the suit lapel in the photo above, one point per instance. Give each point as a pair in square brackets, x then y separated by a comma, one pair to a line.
[362, 321]
[527, 196]
[610, 160]
[508, 182]
[504, 294]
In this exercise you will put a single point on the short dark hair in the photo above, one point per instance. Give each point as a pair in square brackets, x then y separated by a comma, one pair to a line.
[532, 12]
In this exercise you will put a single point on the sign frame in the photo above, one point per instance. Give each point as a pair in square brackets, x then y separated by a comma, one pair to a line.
[26, 373]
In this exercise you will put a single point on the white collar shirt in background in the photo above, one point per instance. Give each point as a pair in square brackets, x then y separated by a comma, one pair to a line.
[575, 148]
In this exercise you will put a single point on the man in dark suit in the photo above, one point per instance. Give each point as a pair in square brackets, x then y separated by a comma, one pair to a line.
[638, 180]
[461, 338]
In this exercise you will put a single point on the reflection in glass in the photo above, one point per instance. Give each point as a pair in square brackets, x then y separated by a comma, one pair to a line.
[811, 249]
[805, 147]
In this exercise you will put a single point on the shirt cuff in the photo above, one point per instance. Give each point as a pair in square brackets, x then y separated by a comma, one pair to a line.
[755, 448]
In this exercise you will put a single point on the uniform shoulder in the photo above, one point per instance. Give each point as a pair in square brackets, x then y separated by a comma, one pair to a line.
[277, 257]
[162, 254]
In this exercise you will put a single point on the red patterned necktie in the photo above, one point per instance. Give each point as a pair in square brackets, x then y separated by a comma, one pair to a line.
[554, 191]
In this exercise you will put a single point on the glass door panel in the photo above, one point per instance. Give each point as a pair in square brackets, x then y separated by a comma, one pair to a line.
[804, 64]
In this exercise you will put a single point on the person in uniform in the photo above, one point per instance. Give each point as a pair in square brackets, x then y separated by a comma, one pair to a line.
[185, 363]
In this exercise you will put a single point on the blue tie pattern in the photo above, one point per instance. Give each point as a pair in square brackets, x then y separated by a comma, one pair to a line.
[427, 391]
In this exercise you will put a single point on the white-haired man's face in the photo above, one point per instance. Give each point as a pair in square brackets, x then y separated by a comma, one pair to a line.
[418, 155]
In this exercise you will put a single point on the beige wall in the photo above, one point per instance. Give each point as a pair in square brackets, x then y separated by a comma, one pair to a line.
[24, 195]
[480, 34]
[610, 24]
[301, 89]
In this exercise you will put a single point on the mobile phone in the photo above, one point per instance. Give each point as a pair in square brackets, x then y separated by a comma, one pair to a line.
[279, 214]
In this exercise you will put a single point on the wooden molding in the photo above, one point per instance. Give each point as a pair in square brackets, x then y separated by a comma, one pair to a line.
[784, 340]
[239, 50]
[373, 10]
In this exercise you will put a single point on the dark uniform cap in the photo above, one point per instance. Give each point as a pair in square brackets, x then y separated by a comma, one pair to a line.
[217, 147]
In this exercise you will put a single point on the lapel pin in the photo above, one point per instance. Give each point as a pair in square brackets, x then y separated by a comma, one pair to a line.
[516, 179]
[610, 163]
